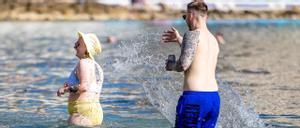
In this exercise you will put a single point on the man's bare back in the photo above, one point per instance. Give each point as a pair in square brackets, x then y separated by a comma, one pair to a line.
[198, 60]
[200, 76]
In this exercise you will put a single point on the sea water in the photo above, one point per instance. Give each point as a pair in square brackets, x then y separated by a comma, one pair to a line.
[37, 57]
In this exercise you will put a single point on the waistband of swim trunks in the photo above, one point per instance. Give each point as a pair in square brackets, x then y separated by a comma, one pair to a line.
[199, 93]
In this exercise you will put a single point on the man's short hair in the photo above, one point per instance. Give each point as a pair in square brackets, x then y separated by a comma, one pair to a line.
[200, 6]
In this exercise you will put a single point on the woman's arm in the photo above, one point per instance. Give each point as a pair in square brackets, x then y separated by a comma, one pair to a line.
[83, 73]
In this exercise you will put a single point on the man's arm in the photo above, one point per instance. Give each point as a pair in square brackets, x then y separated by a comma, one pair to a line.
[188, 49]
[180, 41]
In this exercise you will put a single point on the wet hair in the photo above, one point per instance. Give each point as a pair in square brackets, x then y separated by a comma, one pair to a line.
[198, 5]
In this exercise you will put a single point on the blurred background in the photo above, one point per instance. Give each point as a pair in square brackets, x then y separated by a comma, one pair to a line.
[142, 9]
[258, 69]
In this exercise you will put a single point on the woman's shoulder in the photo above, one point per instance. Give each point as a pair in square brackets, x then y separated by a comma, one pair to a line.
[85, 62]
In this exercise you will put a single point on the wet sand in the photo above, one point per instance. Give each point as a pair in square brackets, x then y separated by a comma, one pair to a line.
[263, 65]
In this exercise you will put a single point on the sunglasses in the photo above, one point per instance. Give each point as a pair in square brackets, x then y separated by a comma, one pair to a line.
[184, 17]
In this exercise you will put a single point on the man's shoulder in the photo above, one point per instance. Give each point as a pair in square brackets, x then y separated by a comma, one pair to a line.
[193, 34]
[191, 37]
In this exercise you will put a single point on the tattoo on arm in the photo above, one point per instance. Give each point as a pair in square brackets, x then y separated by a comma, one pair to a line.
[188, 48]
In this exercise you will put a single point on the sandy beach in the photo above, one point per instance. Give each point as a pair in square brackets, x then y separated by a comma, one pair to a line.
[53, 11]
[262, 64]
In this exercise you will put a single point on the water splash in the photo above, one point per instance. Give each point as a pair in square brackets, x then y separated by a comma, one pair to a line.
[143, 60]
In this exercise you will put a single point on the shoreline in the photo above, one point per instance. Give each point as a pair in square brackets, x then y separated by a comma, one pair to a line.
[97, 11]
[278, 21]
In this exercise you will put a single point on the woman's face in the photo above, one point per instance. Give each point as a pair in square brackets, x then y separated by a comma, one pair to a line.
[80, 48]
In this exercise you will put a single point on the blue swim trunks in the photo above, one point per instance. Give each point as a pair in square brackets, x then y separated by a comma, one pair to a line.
[197, 110]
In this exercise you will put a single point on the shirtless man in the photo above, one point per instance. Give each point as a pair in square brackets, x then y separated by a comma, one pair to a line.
[199, 104]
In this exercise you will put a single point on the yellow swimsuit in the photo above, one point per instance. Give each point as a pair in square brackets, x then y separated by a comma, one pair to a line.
[88, 108]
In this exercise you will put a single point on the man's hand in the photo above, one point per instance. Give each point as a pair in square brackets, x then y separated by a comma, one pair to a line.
[170, 66]
[171, 35]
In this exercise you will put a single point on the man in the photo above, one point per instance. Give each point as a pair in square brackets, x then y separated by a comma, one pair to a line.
[200, 102]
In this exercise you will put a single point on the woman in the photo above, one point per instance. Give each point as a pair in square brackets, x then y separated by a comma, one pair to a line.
[85, 83]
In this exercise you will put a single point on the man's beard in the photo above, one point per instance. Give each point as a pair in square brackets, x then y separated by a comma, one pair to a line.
[190, 27]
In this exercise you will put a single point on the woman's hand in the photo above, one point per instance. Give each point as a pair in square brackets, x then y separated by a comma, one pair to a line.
[61, 91]
[171, 35]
